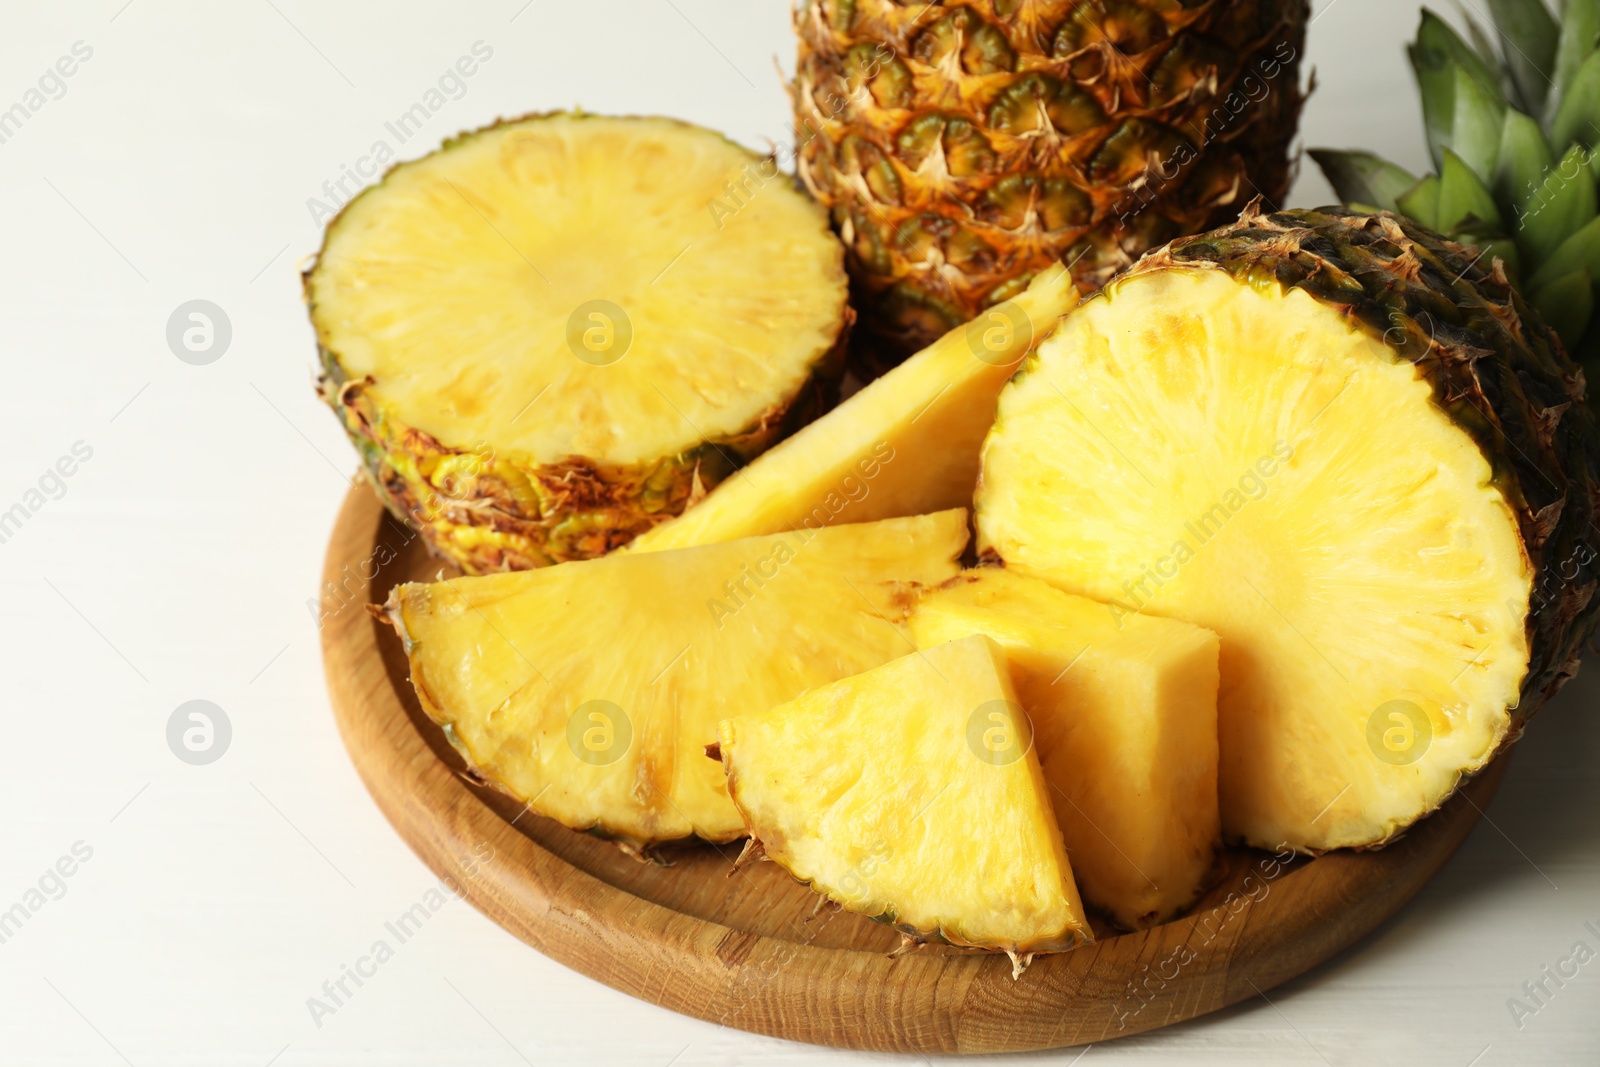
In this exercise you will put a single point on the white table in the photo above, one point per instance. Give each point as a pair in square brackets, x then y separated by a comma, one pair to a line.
[177, 563]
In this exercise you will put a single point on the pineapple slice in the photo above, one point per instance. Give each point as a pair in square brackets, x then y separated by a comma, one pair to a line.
[912, 794]
[1345, 446]
[590, 689]
[905, 444]
[543, 338]
[1124, 713]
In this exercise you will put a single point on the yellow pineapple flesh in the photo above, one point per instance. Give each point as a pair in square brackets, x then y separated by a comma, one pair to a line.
[590, 689]
[544, 341]
[1124, 713]
[906, 444]
[1248, 459]
[911, 794]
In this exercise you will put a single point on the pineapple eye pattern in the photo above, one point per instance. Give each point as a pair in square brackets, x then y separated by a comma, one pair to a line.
[998, 335]
[599, 332]
[199, 732]
[1399, 732]
[199, 332]
[999, 732]
[599, 732]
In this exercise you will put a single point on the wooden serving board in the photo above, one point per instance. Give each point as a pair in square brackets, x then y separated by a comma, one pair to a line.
[751, 949]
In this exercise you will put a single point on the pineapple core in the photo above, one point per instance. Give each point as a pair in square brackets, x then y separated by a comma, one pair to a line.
[1124, 716]
[912, 794]
[591, 689]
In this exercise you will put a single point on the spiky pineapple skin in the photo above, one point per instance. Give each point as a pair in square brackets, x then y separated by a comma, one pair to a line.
[1168, 134]
[1495, 368]
[486, 512]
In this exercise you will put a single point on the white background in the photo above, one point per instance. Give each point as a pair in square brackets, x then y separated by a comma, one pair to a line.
[178, 565]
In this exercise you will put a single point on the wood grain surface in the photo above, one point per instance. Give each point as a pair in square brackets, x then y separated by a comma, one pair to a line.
[750, 948]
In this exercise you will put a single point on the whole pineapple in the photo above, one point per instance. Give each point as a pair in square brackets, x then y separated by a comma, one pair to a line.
[1512, 128]
[963, 145]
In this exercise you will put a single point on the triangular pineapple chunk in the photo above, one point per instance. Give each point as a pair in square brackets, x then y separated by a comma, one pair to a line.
[1124, 712]
[911, 794]
[907, 443]
[590, 689]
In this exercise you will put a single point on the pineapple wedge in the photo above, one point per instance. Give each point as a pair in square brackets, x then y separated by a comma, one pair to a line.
[911, 794]
[905, 444]
[1124, 713]
[590, 689]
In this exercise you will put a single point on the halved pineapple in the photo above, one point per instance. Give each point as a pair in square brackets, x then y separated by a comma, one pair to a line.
[1124, 714]
[912, 794]
[590, 689]
[905, 444]
[1346, 446]
[543, 339]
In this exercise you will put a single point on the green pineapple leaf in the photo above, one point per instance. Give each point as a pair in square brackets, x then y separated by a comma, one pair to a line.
[1563, 202]
[1566, 304]
[1524, 160]
[1530, 34]
[1581, 251]
[1363, 178]
[1463, 198]
[1435, 55]
[1476, 125]
[1577, 118]
[1580, 30]
[1421, 202]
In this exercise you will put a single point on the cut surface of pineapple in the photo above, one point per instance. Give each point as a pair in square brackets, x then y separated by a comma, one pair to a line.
[1124, 713]
[911, 794]
[544, 339]
[1218, 448]
[590, 689]
[905, 444]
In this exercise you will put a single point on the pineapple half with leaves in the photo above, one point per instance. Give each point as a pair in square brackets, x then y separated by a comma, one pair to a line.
[912, 794]
[543, 339]
[1349, 448]
[590, 689]
[964, 144]
[1513, 123]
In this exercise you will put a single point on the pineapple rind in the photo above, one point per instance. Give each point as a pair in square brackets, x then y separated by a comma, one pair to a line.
[1193, 110]
[489, 510]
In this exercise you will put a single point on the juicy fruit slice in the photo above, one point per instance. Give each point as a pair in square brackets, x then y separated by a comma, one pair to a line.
[1124, 713]
[1349, 449]
[911, 794]
[590, 689]
[543, 342]
[906, 444]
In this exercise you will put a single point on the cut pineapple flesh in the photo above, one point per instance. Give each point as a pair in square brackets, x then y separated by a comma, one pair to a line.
[456, 288]
[912, 794]
[591, 689]
[544, 338]
[1242, 458]
[1124, 717]
[905, 444]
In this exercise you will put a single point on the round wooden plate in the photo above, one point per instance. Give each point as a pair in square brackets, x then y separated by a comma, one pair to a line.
[750, 948]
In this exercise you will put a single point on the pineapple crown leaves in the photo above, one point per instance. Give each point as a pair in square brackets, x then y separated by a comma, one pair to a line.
[1512, 121]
